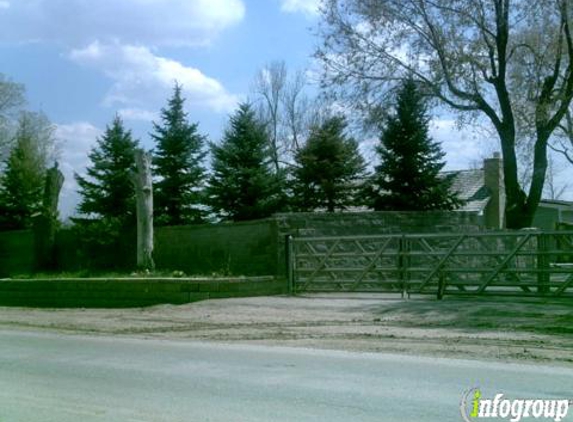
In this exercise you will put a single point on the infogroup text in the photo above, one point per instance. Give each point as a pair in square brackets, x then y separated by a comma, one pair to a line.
[474, 406]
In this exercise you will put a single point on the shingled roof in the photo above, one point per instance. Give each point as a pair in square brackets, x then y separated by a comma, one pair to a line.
[470, 187]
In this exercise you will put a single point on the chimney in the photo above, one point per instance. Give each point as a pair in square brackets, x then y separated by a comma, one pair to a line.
[493, 180]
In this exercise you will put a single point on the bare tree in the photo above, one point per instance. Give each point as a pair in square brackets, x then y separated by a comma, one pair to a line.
[510, 61]
[11, 98]
[11, 95]
[286, 109]
[563, 142]
[553, 189]
[270, 85]
[299, 111]
[21, 184]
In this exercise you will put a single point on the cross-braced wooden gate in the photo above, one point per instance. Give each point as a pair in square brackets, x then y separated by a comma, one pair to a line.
[525, 263]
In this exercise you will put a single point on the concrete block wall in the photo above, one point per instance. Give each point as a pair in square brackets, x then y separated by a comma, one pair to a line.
[131, 292]
[376, 223]
[253, 248]
[371, 223]
[16, 252]
[248, 248]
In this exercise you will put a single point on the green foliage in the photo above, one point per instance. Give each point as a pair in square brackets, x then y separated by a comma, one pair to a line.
[22, 183]
[407, 178]
[329, 168]
[242, 186]
[107, 191]
[178, 164]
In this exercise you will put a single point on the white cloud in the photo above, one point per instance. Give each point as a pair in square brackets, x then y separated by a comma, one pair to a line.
[308, 7]
[77, 140]
[464, 147]
[142, 80]
[138, 114]
[150, 22]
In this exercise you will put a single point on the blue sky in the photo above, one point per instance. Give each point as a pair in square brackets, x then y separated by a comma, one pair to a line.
[83, 61]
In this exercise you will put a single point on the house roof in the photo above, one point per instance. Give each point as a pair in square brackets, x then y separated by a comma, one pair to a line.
[470, 187]
[557, 203]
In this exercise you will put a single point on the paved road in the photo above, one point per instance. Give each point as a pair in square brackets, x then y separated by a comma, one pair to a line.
[53, 377]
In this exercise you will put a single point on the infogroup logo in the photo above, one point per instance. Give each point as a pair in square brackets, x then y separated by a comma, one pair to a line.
[474, 406]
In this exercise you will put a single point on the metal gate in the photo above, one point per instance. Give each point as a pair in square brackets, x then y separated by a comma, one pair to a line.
[524, 263]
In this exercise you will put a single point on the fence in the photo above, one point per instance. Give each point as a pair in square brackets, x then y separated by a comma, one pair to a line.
[526, 263]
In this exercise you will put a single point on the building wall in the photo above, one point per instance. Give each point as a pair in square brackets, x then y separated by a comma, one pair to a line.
[546, 218]
[567, 217]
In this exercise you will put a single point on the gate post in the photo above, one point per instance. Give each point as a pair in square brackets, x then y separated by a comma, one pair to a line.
[441, 285]
[403, 265]
[289, 254]
[543, 276]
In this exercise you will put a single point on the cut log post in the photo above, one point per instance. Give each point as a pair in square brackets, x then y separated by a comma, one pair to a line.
[46, 223]
[142, 180]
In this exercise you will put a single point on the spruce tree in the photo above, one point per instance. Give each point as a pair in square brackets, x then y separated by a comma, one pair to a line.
[407, 178]
[107, 191]
[329, 168]
[242, 185]
[22, 183]
[178, 164]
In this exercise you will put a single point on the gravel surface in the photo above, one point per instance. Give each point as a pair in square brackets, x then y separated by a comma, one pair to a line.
[507, 330]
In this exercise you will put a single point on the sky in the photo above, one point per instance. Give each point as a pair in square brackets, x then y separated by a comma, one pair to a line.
[84, 61]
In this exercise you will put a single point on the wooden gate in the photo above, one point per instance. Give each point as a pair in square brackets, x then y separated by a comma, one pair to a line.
[524, 263]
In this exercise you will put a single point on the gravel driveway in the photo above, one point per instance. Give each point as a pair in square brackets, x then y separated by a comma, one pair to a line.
[485, 329]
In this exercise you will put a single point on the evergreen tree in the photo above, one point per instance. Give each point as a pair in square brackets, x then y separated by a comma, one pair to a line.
[329, 168]
[407, 178]
[107, 191]
[242, 186]
[22, 183]
[178, 159]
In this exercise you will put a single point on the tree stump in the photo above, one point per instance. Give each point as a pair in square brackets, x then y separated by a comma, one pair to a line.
[46, 223]
[143, 183]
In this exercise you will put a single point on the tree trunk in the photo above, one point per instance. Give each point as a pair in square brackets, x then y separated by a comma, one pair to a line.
[142, 180]
[46, 224]
[517, 213]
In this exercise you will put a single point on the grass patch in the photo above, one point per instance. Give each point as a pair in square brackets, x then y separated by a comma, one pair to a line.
[539, 317]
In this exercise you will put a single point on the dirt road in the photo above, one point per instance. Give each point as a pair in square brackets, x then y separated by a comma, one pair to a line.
[493, 329]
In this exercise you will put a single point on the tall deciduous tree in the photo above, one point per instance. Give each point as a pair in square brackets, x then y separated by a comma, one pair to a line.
[563, 142]
[329, 168]
[11, 98]
[243, 186]
[270, 84]
[508, 61]
[22, 184]
[106, 190]
[407, 178]
[178, 160]
[285, 109]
